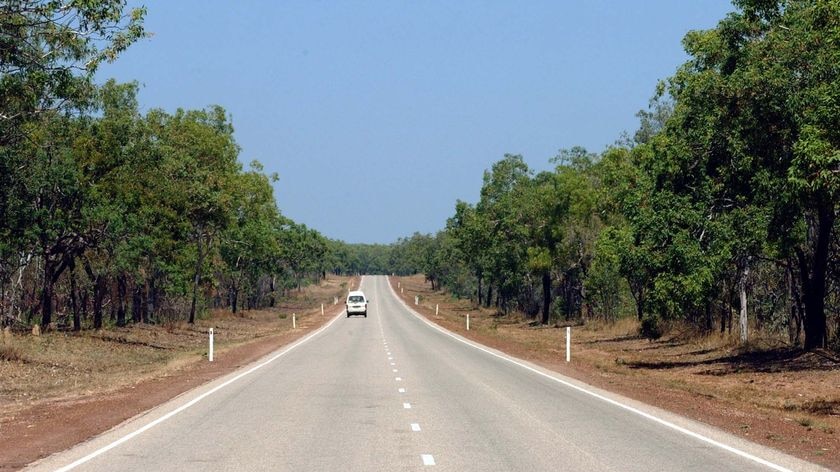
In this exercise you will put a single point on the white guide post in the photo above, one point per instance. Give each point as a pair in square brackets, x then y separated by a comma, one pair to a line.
[335, 300]
[294, 322]
[436, 309]
[416, 299]
[468, 321]
[568, 343]
[322, 308]
[401, 290]
[210, 351]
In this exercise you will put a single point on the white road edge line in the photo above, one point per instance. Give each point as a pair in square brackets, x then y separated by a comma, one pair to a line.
[192, 402]
[665, 423]
[428, 459]
[415, 427]
[407, 406]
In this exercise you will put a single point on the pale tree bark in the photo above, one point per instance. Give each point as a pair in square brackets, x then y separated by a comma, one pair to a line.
[742, 289]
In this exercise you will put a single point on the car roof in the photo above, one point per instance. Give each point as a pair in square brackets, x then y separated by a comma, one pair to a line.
[356, 292]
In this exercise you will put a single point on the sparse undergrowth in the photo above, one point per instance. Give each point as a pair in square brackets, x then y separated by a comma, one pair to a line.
[765, 391]
[68, 364]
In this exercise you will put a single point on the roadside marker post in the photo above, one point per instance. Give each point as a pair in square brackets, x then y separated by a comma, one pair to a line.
[401, 290]
[210, 351]
[568, 343]
[416, 299]
[294, 322]
[436, 309]
[335, 300]
[322, 308]
[468, 321]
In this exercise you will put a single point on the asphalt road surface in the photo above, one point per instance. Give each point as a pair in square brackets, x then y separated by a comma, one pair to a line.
[391, 392]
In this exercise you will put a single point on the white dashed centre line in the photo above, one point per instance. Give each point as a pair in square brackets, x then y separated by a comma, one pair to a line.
[398, 379]
[401, 390]
[393, 363]
[395, 370]
[407, 406]
[428, 459]
[415, 427]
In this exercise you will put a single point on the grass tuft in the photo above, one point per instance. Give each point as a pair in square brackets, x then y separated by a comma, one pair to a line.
[11, 354]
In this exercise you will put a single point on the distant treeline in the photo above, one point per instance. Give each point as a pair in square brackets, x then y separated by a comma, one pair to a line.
[109, 215]
[724, 202]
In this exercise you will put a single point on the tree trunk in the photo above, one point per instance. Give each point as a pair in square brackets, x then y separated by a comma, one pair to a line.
[742, 292]
[795, 309]
[197, 279]
[639, 297]
[489, 295]
[121, 292]
[47, 293]
[144, 302]
[479, 291]
[85, 299]
[814, 280]
[99, 287]
[98, 295]
[74, 303]
[272, 300]
[724, 305]
[234, 299]
[137, 303]
[546, 286]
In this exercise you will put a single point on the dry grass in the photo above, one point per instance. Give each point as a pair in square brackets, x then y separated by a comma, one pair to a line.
[10, 353]
[64, 365]
[764, 374]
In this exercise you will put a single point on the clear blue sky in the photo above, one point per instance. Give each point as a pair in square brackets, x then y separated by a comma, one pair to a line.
[379, 115]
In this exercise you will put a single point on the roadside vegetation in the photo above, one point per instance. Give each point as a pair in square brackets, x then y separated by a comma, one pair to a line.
[770, 392]
[70, 365]
[110, 216]
[719, 213]
[711, 229]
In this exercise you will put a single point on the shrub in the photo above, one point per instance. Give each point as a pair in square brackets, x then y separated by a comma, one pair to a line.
[650, 328]
[10, 353]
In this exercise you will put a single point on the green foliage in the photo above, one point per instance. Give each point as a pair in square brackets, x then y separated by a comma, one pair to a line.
[729, 186]
[650, 328]
[155, 212]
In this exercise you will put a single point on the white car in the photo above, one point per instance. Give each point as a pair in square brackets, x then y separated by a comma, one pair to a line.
[356, 303]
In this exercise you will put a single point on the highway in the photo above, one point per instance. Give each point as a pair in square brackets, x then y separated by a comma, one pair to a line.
[391, 392]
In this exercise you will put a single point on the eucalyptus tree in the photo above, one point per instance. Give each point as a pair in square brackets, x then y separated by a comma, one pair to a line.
[506, 238]
[50, 51]
[248, 243]
[200, 167]
[754, 140]
[469, 230]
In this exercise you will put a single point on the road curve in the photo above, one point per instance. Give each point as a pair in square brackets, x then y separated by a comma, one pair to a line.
[391, 392]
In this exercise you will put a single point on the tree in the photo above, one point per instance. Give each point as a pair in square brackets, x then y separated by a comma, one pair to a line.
[756, 122]
[506, 237]
[201, 162]
[50, 51]
[249, 243]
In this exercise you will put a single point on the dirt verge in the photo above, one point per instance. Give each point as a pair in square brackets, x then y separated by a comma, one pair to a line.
[770, 394]
[46, 421]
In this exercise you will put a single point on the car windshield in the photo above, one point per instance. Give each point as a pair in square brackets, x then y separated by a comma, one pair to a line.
[357, 299]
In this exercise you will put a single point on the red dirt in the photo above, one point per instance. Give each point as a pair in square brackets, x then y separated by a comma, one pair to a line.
[53, 426]
[596, 365]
